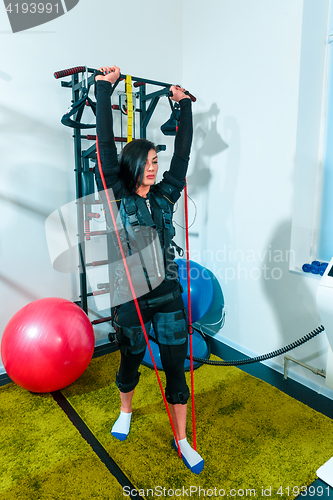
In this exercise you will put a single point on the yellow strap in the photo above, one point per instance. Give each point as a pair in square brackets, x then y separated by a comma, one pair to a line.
[129, 94]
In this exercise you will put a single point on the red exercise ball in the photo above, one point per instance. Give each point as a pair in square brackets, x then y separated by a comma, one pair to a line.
[47, 345]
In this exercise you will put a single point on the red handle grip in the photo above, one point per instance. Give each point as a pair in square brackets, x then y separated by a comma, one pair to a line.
[186, 92]
[101, 320]
[138, 84]
[70, 71]
[191, 96]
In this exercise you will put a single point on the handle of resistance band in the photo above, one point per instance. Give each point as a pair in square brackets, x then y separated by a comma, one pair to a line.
[70, 71]
[138, 84]
[186, 93]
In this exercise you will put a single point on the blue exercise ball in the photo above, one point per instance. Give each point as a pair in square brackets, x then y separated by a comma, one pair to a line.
[202, 295]
[201, 288]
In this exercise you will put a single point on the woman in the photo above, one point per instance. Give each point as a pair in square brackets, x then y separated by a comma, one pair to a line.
[148, 206]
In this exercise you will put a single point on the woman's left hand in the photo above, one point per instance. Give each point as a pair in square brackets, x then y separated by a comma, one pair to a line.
[111, 74]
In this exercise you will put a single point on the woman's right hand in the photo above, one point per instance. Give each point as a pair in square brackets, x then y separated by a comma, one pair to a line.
[111, 74]
[178, 93]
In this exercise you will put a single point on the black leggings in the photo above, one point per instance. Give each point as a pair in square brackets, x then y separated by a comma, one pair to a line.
[172, 356]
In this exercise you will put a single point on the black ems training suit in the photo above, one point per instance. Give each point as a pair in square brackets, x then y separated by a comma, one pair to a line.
[162, 305]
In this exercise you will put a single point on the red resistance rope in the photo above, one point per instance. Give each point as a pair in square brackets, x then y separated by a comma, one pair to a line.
[190, 318]
[133, 293]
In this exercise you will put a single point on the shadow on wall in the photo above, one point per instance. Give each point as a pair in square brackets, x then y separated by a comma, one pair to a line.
[207, 142]
[217, 159]
[293, 304]
[33, 184]
[18, 288]
[34, 179]
[28, 207]
[15, 122]
[5, 76]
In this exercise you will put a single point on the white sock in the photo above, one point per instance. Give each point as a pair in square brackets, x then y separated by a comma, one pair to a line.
[121, 427]
[191, 458]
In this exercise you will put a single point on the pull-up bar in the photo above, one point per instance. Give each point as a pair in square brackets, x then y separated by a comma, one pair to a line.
[138, 82]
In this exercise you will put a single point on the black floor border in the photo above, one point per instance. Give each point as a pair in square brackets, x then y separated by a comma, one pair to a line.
[100, 350]
[97, 447]
[4, 379]
[298, 391]
[103, 349]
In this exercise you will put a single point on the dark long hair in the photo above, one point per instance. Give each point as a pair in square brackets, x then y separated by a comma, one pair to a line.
[132, 162]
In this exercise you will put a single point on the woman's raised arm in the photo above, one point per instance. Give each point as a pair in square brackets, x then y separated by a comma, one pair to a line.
[104, 127]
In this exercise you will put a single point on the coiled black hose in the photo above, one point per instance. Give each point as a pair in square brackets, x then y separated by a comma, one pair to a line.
[257, 359]
[263, 357]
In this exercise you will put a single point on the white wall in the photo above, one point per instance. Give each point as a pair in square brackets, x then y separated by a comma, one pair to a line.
[243, 61]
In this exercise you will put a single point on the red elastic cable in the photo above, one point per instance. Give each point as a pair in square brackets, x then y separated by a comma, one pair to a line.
[190, 318]
[133, 292]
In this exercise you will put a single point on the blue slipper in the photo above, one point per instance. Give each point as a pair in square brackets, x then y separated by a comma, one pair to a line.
[119, 436]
